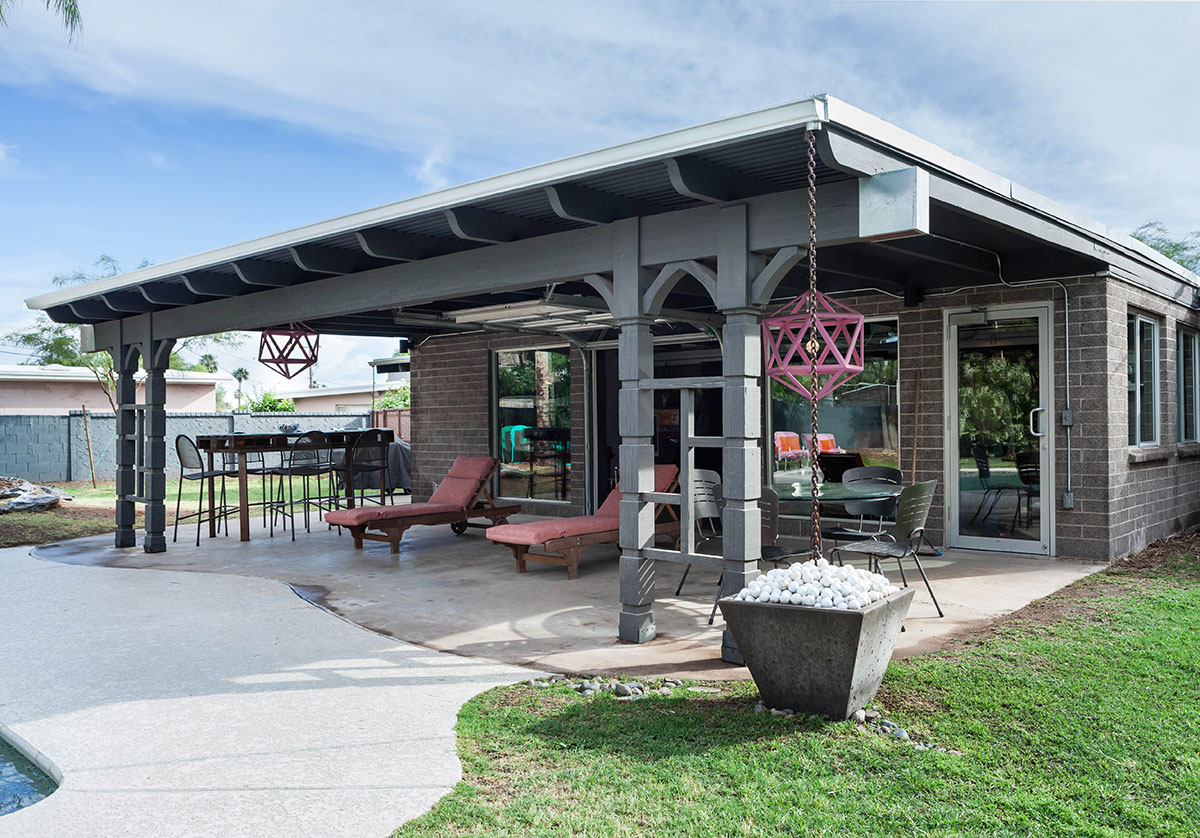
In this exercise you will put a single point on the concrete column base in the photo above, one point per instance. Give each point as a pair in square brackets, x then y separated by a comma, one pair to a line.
[637, 624]
[124, 538]
[155, 543]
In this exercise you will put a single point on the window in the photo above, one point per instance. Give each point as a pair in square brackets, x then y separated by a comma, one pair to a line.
[1189, 385]
[861, 417]
[533, 423]
[1143, 380]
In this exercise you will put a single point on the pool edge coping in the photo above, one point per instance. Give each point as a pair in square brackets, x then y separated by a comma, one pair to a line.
[22, 746]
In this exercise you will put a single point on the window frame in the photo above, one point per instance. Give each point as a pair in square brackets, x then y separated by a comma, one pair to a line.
[1189, 336]
[494, 354]
[1137, 320]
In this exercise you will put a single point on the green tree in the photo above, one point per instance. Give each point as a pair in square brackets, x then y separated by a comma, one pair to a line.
[996, 393]
[67, 10]
[270, 403]
[396, 397]
[1184, 251]
[240, 375]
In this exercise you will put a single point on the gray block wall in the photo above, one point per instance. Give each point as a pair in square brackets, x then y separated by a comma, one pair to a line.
[53, 449]
[35, 447]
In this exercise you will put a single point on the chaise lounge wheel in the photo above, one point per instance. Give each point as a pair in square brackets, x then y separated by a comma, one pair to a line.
[458, 527]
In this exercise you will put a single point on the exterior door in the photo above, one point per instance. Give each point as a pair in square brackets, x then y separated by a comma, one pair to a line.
[1000, 456]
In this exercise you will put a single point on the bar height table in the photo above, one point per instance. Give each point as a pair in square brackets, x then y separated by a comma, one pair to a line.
[281, 443]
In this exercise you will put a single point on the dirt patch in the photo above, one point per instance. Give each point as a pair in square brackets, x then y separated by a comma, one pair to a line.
[1091, 598]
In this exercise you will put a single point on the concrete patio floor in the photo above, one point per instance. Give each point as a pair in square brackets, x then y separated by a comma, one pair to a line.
[461, 594]
[187, 704]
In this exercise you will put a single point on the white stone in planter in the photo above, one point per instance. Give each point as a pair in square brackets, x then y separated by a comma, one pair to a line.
[818, 583]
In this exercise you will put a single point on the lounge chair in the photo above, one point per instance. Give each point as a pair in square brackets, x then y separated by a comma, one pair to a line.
[563, 540]
[456, 501]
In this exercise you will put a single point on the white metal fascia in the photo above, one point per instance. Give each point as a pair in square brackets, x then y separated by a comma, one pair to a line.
[662, 146]
[859, 121]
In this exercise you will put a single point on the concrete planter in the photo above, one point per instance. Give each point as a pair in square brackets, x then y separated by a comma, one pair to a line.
[817, 660]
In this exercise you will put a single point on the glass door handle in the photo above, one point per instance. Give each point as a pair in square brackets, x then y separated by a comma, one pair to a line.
[1032, 427]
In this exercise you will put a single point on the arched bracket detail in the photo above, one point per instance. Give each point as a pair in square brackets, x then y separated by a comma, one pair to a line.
[768, 280]
[603, 286]
[668, 278]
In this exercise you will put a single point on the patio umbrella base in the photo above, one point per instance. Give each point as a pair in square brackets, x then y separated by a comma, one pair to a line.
[820, 661]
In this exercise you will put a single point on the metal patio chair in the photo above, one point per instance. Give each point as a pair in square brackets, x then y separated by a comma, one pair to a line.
[870, 513]
[979, 454]
[367, 456]
[768, 506]
[308, 459]
[191, 467]
[1029, 470]
[912, 510]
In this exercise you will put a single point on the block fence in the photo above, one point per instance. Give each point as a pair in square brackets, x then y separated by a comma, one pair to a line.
[53, 449]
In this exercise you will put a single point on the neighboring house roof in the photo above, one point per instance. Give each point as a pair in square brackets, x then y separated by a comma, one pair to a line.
[58, 372]
[730, 159]
[345, 390]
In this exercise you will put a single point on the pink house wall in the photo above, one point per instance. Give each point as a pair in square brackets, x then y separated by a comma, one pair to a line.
[60, 397]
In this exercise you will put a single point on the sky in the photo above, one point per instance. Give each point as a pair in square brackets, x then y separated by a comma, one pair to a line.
[167, 129]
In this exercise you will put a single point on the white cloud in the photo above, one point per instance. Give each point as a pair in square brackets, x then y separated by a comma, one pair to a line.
[157, 160]
[431, 173]
[7, 158]
[1094, 105]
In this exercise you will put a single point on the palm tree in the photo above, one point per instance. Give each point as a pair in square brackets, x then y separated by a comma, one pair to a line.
[68, 10]
[240, 375]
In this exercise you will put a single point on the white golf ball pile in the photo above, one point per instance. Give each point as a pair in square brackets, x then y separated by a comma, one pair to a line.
[818, 584]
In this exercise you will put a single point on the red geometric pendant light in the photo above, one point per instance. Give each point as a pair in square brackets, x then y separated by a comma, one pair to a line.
[289, 350]
[788, 336]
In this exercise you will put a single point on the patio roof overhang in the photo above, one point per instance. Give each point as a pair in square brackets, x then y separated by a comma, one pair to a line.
[896, 214]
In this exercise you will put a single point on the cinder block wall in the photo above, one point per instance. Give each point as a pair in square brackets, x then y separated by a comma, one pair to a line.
[53, 449]
[35, 448]
[452, 411]
[1154, 491]
[1080, 532]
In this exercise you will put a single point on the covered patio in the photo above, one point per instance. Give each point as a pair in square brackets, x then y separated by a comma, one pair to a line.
[460, 594]
[665, 253]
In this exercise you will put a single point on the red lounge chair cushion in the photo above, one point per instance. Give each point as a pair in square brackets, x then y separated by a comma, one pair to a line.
[462, 483]
[537, 532]
[370, 514]
[663, 475]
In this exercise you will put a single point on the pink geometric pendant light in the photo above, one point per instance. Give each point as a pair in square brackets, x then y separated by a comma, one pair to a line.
[289, 350]
[787, 340]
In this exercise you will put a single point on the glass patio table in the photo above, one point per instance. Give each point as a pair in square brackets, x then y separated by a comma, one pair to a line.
[798, 504]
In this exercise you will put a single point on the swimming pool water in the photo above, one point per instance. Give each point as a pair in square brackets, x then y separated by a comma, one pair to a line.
[21, 782]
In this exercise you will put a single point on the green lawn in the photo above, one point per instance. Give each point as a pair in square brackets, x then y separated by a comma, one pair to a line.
[91, 511]
[1077, 716]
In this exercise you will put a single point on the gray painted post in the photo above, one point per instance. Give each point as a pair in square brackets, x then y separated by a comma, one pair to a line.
[635, 361]
[157, 357]
[742, 413]
[125, 360]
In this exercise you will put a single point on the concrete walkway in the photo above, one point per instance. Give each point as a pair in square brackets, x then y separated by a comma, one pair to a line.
[190, 704]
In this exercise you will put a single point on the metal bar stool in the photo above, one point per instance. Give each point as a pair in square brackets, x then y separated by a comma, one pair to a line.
[191, 467]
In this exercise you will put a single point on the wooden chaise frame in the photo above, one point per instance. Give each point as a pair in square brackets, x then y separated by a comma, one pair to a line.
[391, 530]
[566, 551]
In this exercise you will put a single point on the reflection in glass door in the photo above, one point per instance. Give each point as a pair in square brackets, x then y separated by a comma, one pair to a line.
[1000, 399]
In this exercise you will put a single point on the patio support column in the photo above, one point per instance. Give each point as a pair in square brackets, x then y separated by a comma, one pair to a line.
[157, 356]
[125, 362]
[741, 479]
[635, 362]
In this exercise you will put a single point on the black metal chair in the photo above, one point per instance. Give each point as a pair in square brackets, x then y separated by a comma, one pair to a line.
[871, 513]
[191, 467]
[1029, 470]
[308, 459]
[256, 465]
[771, 551]
[983, 467]
[367, 456]
[912, 511]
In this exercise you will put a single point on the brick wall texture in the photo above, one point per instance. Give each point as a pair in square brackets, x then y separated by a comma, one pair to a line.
[452, 410]
[1123, 499]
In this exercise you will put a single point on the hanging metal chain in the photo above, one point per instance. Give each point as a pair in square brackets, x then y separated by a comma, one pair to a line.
[812, 345]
